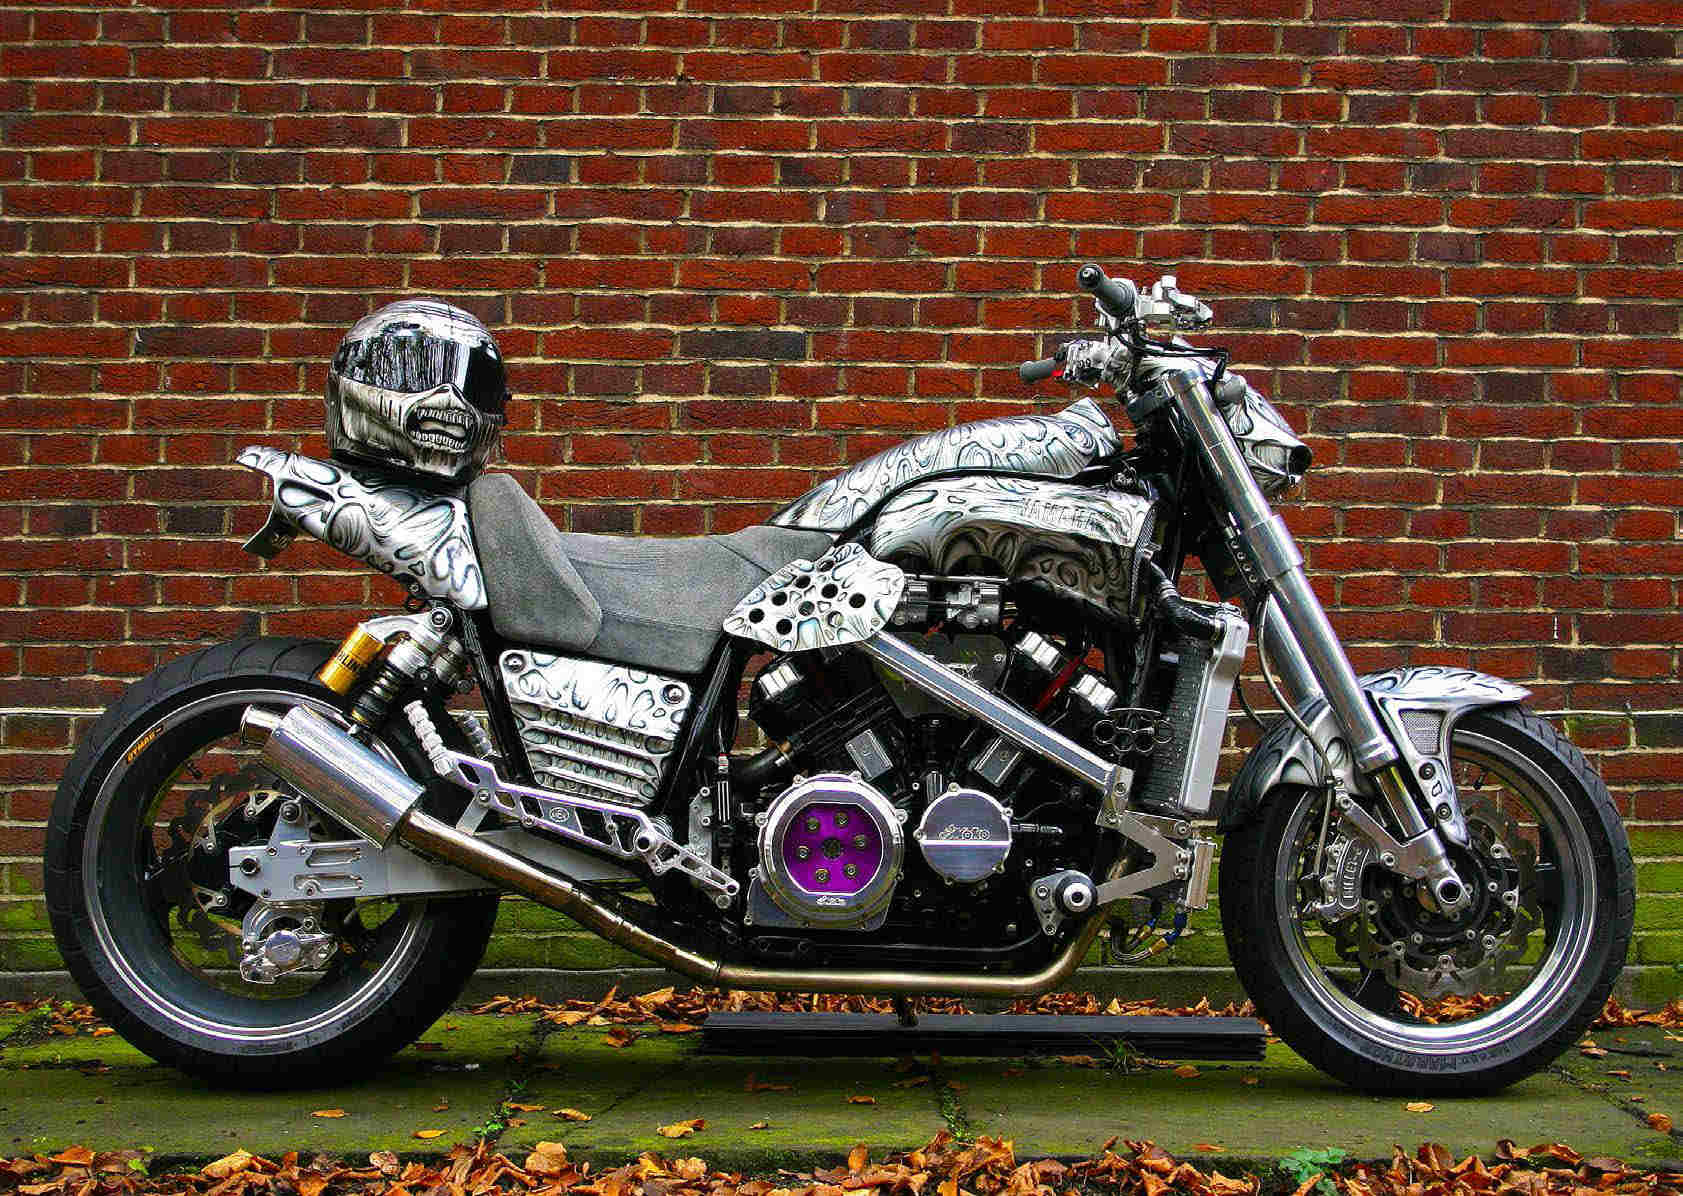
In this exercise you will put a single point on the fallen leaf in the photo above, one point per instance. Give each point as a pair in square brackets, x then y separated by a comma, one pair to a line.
[1011, 1073]
[572, 1115]
[1308, 1185]
[755, 1084]
[1251, 1081]
[444, 1107]
[524, 1108]
[1619, 1073]
[760, 1125]
[619, 1036]
[861, 1100]
[228, 1164]
[1207, 1147]
[1078, 1060]
[101, 1032]
[429, 1046]
[429, 1133]
[857, 1158]
[330, 1113]
[386, 1161]
[1187, 1072]
[79, 1156]
[1419, 1106]
[682, 1129]
[1593, 1052]
[678, 1028]
[1660, 1121]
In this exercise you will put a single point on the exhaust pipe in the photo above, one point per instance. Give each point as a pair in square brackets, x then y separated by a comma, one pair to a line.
[380, 803]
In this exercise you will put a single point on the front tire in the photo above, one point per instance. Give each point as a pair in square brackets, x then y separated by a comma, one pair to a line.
[1356, 1022]
[132, 895]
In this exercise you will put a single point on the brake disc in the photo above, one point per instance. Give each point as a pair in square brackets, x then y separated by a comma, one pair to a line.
[1417, 949]
[200, 836]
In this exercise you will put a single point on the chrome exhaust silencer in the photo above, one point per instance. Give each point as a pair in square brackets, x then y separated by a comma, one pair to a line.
[351, 781]
[360, 788]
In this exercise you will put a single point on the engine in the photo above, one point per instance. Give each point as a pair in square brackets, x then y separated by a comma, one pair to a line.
[876, 810]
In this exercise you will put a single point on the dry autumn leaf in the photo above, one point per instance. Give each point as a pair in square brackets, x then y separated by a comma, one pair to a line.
[857, 1158]
[1660, 1122]
[1187, 1072]
[429, 1134]
[1419, 1106]
[572, 1115]
[1078, 1060]
[760, 1125]
[682, 1129]
[1207, 1147]
[328, 1113]
[228, 1164]
[76, 1156]
[861, 1100]
[524, 1108]
[619, 1036]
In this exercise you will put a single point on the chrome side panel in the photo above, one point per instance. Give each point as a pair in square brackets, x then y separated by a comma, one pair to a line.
[412, 534]
[1082, 541]
[844, 597]
[1285, 757]
[1055, 446]
[594, 729]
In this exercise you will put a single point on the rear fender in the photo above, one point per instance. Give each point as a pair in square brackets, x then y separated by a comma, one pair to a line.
[417, 536]
[1419, 706]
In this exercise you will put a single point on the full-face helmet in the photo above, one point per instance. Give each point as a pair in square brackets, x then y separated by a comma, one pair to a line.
[417, 386]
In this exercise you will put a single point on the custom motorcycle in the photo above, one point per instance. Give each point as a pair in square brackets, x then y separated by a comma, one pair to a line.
[985, 728]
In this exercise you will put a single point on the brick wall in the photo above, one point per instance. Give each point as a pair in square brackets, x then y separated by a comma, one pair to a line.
[733, 246]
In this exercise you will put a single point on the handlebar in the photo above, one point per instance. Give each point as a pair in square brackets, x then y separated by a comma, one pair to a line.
[1118, 296]
[1039, 371]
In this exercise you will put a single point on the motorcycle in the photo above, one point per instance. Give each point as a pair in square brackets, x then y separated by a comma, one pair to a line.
[986, 724]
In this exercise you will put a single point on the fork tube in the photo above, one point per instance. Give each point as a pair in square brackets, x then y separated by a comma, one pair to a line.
[1271, 546]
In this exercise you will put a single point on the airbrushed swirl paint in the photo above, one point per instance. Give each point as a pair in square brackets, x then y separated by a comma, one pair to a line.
[410, 533]
[1052, 446]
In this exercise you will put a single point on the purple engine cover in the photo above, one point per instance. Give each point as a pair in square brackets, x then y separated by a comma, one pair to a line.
[834, 836]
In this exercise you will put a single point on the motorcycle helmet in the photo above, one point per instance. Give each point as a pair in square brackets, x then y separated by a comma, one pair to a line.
[418, 387]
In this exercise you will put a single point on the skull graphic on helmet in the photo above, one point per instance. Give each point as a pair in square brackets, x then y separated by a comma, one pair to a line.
[417, 386]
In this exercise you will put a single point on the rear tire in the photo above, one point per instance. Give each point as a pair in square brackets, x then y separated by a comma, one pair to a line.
[123, 960]
[1393, 1054]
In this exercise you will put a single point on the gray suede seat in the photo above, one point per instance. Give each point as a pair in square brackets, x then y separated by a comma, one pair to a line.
[654, 603]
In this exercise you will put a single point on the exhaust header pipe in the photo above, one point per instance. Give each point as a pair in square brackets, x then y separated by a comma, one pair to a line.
[360, 788]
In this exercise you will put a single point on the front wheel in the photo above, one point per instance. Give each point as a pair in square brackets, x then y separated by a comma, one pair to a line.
[1397, 998]
[190, 968]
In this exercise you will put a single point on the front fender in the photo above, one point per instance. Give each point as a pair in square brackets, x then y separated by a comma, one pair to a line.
[1419, 706]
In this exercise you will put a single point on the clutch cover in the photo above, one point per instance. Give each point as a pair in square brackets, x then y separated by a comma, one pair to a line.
[831, 849]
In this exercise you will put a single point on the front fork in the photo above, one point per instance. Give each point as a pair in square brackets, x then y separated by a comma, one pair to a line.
[1299, 641]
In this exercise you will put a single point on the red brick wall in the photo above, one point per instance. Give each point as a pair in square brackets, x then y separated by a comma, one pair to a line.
[1445, 241]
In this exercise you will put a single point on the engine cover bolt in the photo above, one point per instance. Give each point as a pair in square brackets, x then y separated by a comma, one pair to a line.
[812, 825]
[822, 876]
[860, 841]
[1428, 770]
[803, 852]
[250, 866]
[841, 817]
[850, 871]
[1445, 813]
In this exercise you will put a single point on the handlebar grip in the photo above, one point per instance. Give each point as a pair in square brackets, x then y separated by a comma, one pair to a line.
[1117, 296]
[1038, 371]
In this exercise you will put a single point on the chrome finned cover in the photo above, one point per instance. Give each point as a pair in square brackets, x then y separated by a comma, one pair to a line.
[844, 597]
[412, 534]
[831, 848]
[594, 729]
[1054, 446]
[1085, 542]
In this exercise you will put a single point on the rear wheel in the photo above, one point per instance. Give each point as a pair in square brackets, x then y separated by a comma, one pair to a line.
[162, 943]
[1396, 997]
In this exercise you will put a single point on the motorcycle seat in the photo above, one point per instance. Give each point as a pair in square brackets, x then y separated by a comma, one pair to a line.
[655, 603]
